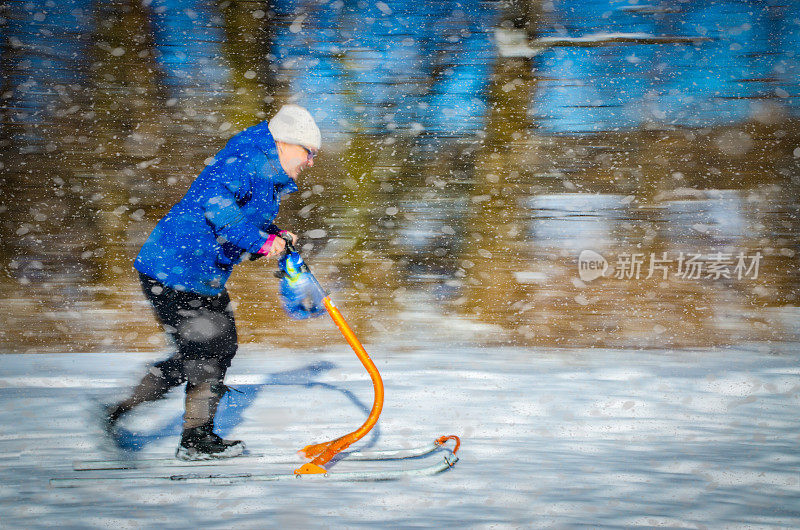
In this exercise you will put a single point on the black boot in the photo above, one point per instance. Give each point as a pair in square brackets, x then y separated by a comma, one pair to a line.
[200, 443]
[106, 416]
[109, 415]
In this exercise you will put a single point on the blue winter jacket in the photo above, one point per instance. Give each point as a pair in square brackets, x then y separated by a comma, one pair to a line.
[227, 212]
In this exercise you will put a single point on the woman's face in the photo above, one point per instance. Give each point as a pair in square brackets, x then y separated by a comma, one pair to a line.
[295, 158]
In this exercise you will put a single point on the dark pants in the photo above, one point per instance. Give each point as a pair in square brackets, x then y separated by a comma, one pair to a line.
[202, 328]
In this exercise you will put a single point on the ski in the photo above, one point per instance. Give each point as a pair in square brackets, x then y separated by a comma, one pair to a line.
[251, 458]
[446, 463]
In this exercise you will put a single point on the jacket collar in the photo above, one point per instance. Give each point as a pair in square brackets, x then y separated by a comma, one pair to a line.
[284, 184]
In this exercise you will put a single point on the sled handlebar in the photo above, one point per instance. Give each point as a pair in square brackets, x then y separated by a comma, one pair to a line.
[289, 241]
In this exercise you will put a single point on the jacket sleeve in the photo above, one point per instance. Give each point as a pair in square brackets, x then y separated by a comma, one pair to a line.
[224, 214]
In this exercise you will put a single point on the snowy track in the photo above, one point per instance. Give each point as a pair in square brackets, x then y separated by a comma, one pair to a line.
[550, 438]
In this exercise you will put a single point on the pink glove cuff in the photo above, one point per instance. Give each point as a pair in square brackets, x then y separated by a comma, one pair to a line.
[267, 246]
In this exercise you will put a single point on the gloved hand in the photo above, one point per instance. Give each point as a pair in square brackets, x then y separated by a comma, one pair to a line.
[276, 244]
[301, 294]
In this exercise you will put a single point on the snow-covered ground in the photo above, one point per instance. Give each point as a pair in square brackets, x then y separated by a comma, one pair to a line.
[700, 438]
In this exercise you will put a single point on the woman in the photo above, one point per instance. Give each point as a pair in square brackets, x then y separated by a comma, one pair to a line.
[225, 217]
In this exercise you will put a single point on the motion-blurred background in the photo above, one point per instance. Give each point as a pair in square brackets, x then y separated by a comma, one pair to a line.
[472, 150]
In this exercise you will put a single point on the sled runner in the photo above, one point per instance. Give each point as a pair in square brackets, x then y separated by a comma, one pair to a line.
[392, 465]
[261, 458]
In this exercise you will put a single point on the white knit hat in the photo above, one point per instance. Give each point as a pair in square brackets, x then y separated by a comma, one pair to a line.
[294, 125]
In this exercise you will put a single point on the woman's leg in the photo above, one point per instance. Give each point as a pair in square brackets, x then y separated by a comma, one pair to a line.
[158, 380]
[163, 375]
[208, 340]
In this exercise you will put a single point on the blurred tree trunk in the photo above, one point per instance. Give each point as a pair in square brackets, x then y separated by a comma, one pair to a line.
[249, 32]
[126, 129]
[493, 231]
[7, 149]
[367, 153]
[360, 164]
[524, 15]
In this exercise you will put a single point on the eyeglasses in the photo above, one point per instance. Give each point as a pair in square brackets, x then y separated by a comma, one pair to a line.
[310, 154]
